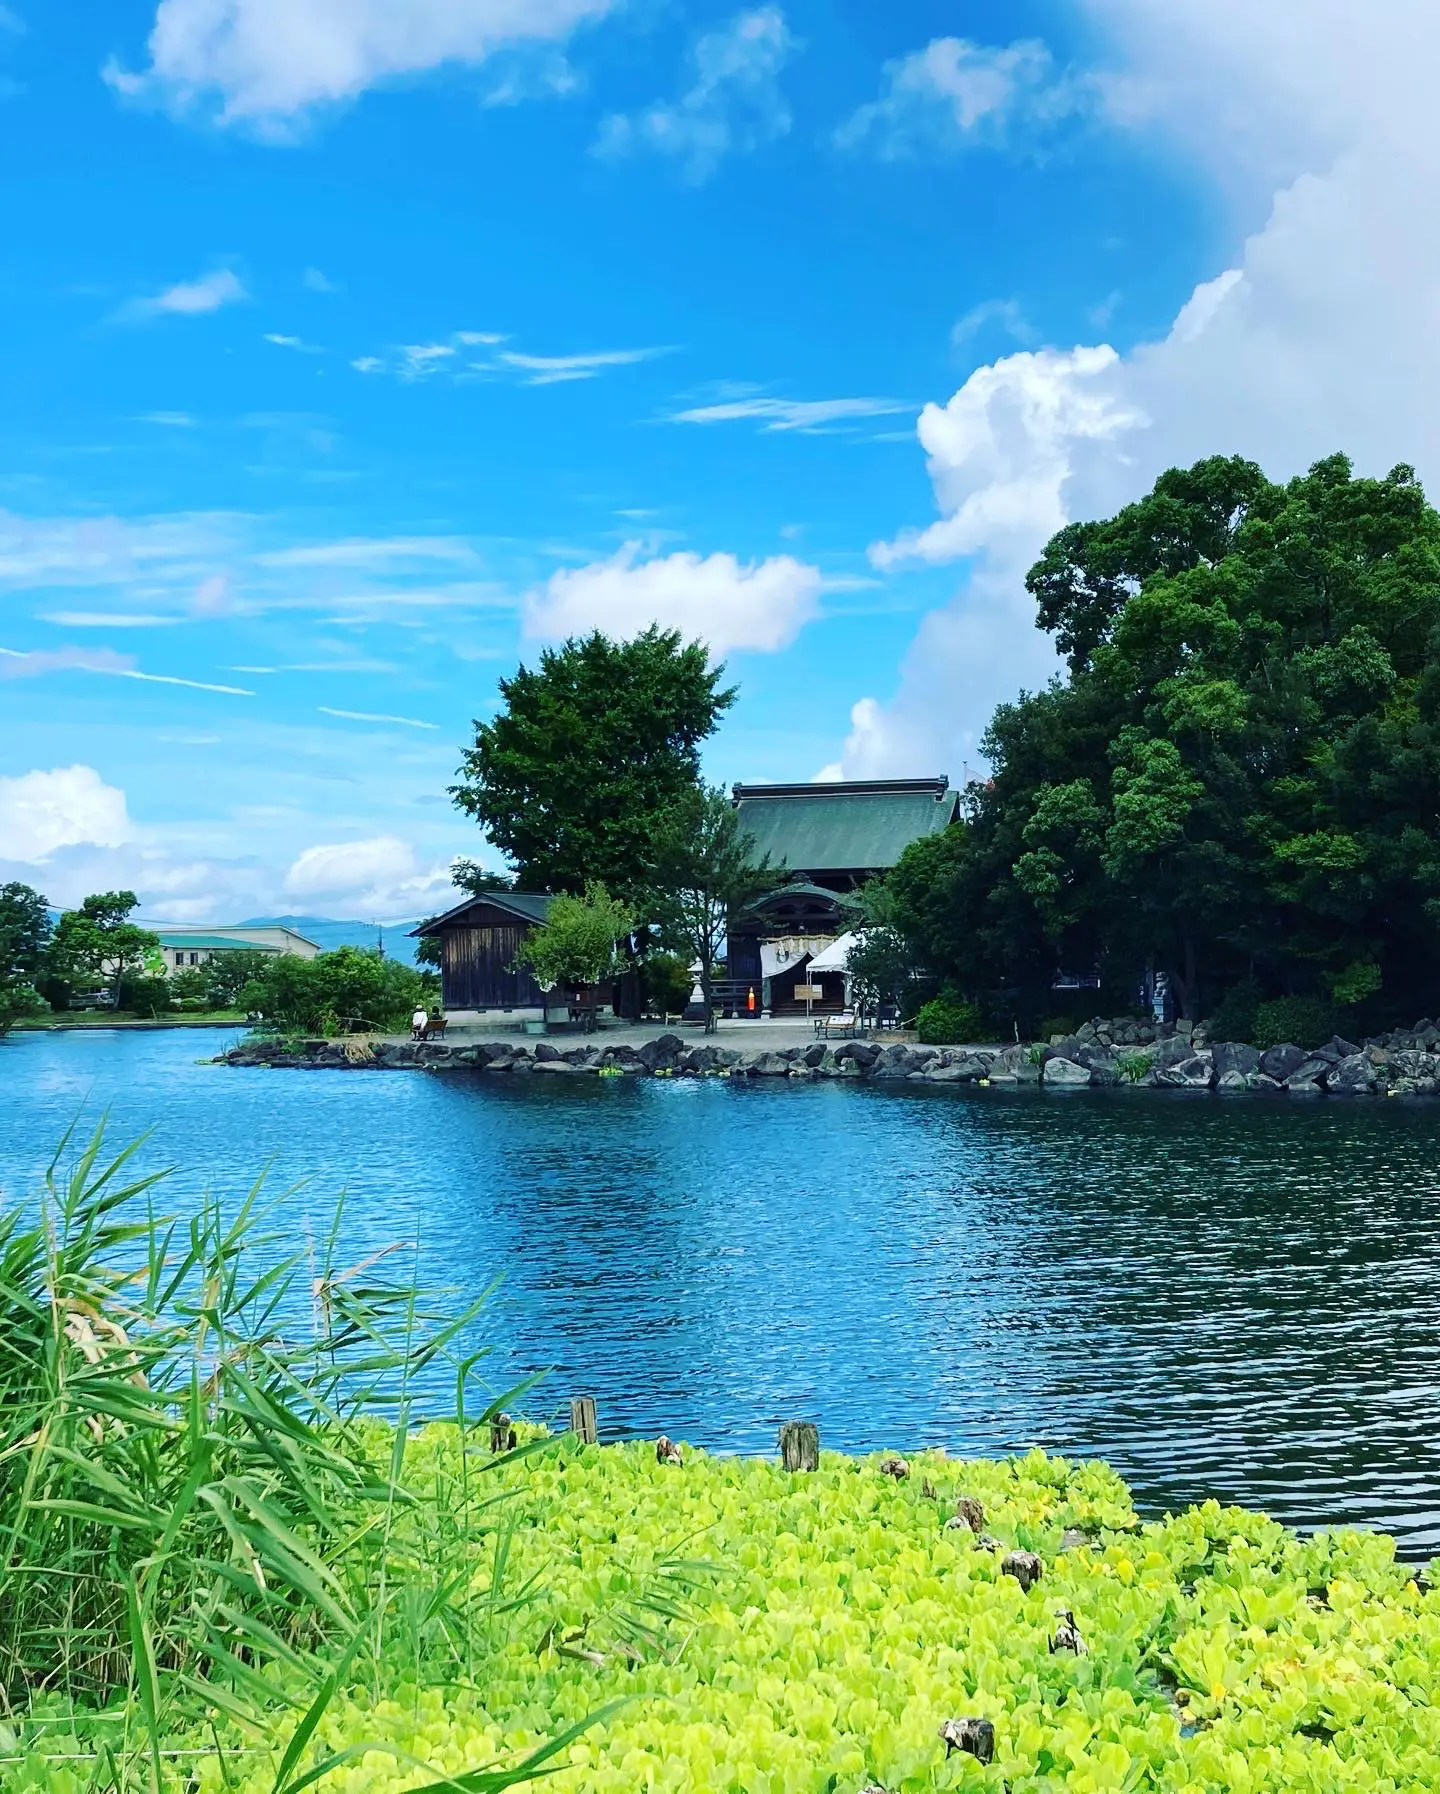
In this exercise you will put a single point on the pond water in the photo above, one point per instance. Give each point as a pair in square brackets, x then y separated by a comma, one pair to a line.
[1234, 1298]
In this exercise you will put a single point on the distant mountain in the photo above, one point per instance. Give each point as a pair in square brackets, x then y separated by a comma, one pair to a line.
[329, 934]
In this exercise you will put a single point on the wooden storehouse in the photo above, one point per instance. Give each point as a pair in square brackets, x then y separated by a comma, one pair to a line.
[478, 943]
[830, 838]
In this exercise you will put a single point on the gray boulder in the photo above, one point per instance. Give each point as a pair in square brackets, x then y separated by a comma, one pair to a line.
[1266, 1085]
[1064, 1074]
[766, 1065]
[899, 1061]
[1101, 1062]
[1281, 1062]
[1231, 1056]
[661, 1053]
[964, 1070]
[1170, 1052]
[1193, 1073]
[1313, 1070]
[1353, 1076]
[863, 1053]
[1232, 1080]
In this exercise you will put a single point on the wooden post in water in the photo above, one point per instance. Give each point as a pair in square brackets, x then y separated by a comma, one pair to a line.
[799, 1446]
[582, 1419]
[502, 1434]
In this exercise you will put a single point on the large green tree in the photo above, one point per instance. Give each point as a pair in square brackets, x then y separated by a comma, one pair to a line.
[25, 930]
[586, 751]
[1240, 778]
[98, 943]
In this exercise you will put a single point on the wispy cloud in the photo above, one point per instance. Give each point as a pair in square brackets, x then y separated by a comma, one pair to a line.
[108, 619]
[297, 343]
[367, 716]
[463, 356]
[734, 103]
[17, 665]
[314, 281]
[807, 415]
[168, 420]
[954, 93]
[545, 370]
[367, 551]
[190, 298]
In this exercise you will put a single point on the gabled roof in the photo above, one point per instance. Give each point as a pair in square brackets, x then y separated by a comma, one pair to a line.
[861, 826]
[215, 943]
[525, 906]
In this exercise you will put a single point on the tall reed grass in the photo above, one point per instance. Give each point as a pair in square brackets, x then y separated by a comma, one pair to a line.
[205, 1526]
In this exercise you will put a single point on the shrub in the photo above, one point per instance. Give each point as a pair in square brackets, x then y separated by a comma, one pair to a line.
[946, 1021]
[147, 993]
[348, 991]
[227, 973]
[668, 982]
[1237, 1011]
[1297, 1021]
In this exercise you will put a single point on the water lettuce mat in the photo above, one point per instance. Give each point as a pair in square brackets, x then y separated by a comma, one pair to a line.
[796, 1634]
[791, 1634]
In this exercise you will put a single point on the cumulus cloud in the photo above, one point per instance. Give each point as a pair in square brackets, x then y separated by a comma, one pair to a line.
[191, 298]
[718, 599]
[70, 806]
[380, 877]
[1315, 333]
[734, 103]
[955, 93]
[267, 65]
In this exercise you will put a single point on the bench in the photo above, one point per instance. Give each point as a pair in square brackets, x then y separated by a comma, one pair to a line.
[435, 1026]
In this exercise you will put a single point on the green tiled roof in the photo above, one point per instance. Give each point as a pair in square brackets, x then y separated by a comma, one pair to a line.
[843, 828]
[215, 943]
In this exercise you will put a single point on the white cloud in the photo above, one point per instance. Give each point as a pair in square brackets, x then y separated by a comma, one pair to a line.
[369, 551]
[108, 619]
[1000, 452]
[365, 716]
[807, 415]
[39, 661]
[297, 343]
[760, 605]
[955, 93]
[380, 877]
[191, 298]
[70, 806]
[314, 281]
[735, 102]
[1316, 333]
[545, 370]
[267, 64]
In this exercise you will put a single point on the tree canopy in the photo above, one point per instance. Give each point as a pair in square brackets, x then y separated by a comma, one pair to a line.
[586, 751]
[25, 930]
[1240, 779]
[99, 943]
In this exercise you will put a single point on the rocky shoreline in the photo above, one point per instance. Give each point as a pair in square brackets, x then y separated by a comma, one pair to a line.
[1406, 1063]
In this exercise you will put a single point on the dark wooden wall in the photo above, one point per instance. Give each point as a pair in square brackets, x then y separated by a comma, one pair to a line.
[475, 969]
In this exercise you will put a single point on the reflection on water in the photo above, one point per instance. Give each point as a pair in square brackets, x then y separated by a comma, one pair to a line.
[1230, 1298]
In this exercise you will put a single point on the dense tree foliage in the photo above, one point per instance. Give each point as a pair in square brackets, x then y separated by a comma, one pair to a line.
[1239, 783]
[351, 990]
[25, 930]
[579, 943]
[98, 944]
[586, 751]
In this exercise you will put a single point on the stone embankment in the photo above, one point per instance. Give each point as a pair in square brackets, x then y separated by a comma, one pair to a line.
[1404, 1063]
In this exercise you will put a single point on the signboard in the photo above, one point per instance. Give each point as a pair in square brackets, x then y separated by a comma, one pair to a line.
[809, 993]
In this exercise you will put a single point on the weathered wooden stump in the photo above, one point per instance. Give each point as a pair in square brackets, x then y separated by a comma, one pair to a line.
[502, 1434]
[1024, 1566]
[799, 1445]
[582, 1419]
[896, 1467]
[977, 1736]
[968, 1509]
[1067, 1634]
[667, 1451]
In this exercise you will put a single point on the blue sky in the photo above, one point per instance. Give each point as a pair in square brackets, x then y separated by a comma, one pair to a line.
[351, 353]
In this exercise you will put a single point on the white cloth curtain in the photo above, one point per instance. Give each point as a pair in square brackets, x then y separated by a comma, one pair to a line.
[779, 956]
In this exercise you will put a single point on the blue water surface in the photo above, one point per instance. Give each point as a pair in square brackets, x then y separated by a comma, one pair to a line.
[1222, 1297]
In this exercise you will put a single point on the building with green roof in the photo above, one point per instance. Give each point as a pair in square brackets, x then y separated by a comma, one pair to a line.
[828, 838]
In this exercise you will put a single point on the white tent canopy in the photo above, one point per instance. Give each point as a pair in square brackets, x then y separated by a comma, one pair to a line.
[836, 957]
